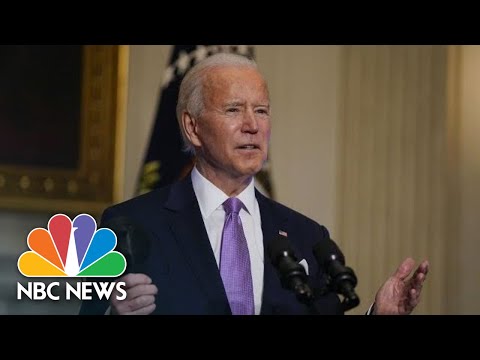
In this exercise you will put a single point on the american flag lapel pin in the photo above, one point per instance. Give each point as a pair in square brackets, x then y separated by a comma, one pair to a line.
[283, 233]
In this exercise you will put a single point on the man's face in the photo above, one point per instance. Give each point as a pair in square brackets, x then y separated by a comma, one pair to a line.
[234, 128]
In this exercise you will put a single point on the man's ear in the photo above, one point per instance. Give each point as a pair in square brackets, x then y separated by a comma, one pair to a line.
[190, 127]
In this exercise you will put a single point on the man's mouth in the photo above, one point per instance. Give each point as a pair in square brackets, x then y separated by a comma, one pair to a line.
[249, 147]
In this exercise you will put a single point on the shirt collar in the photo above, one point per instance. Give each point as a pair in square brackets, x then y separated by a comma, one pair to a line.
[211, 197]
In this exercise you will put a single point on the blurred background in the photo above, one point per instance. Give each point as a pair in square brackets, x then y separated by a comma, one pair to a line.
[377, 143]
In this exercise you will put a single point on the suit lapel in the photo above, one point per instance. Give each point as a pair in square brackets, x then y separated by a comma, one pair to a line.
[191, 235]
[194, 243]
[272, 222]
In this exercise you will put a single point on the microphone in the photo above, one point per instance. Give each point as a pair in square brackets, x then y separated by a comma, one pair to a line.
[342, 278]
[132, 241]
[292, 275]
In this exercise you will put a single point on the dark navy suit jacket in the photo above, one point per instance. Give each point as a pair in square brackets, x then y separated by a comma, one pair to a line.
[182, 265]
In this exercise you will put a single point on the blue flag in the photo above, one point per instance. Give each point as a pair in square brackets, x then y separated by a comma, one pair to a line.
[165, 161]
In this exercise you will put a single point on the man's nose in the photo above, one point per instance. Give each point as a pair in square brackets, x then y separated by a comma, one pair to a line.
[250, 122]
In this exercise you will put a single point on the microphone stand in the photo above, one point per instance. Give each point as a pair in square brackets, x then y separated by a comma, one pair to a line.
[344, 283]
[305, 296]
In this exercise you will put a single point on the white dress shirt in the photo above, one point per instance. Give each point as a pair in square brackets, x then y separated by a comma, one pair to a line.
[210, 200]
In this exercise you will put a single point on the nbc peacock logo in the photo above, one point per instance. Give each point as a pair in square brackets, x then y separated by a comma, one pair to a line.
[72, 248]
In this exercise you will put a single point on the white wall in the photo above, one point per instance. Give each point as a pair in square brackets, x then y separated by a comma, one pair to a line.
[303, 82]
[469, 237]
[392, 192]
[147, 64]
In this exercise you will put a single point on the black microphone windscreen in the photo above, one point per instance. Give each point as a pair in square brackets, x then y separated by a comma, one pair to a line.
[277, 247]
[132, 240]
[292, 274]
[327, 250]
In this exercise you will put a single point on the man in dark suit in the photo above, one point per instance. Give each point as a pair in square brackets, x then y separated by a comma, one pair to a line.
[209, 233]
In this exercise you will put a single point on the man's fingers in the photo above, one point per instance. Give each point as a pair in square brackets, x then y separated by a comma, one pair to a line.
[135, 292]
[132, 280]
[144, 311]
[140, 302]
[140, 290]
[413, 298]
[418, 279]
[134, 305]
[422, 268]
[404, 269]
[140, 295]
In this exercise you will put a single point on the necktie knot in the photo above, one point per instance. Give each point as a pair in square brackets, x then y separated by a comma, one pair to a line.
[232, 205]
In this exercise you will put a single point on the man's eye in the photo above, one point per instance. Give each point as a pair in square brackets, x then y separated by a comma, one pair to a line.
[232, 110]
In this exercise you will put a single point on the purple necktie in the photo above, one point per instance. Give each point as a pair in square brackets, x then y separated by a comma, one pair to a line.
[235, 261]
